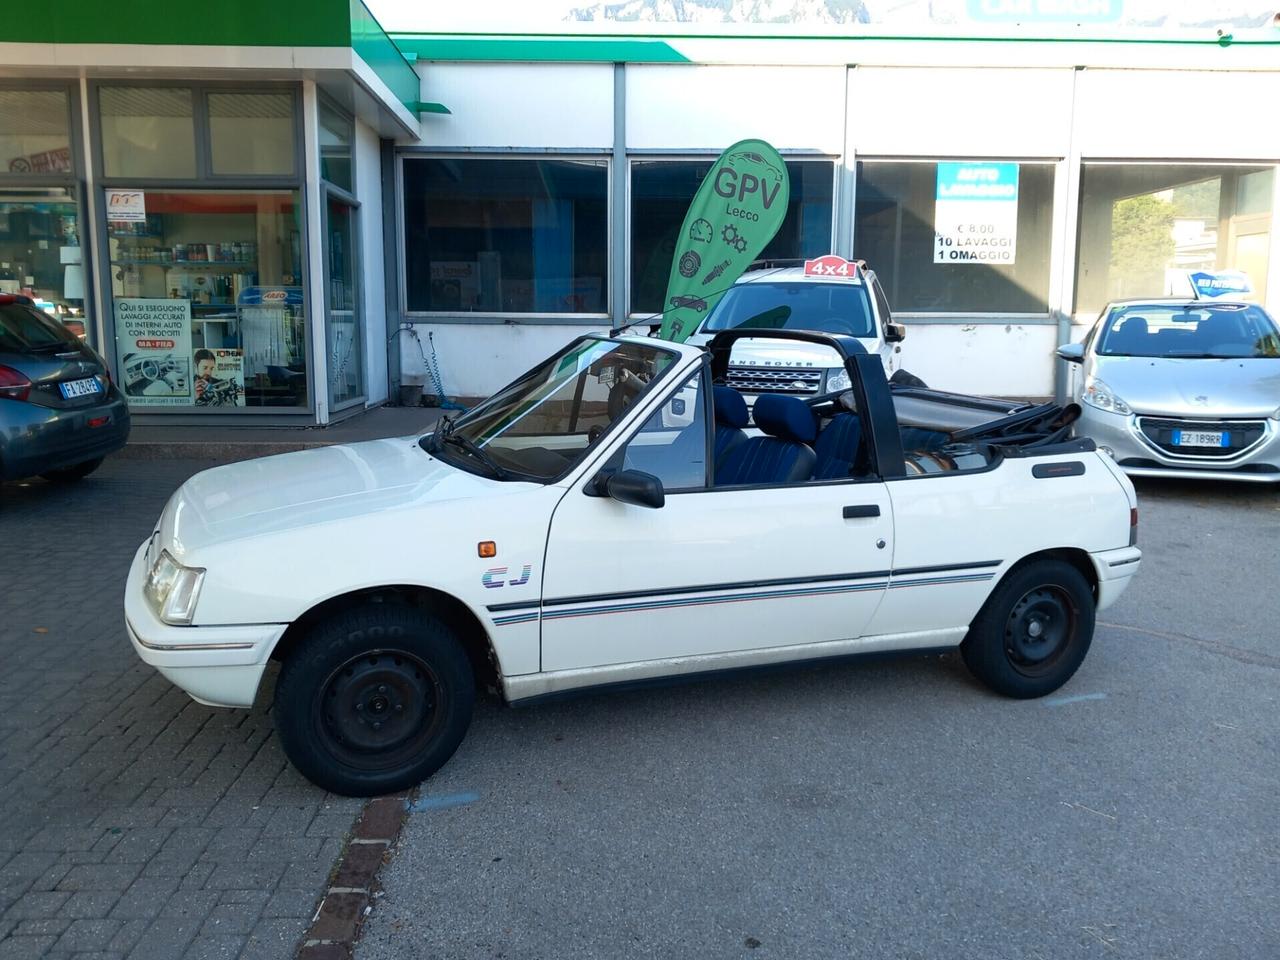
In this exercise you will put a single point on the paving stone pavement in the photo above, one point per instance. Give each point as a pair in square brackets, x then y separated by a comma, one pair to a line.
[133, 821]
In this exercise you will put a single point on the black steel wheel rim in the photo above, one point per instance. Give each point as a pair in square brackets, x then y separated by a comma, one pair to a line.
[380, 709]
[1039, 630]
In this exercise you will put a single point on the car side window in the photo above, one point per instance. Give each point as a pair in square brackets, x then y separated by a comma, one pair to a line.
[672, 443]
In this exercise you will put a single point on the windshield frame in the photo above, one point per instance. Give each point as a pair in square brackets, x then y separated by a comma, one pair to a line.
[873, 332]
[1158, 310]
[463, 462]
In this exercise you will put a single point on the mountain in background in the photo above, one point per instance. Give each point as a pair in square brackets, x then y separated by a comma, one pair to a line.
[725, 11]
[1158, 14]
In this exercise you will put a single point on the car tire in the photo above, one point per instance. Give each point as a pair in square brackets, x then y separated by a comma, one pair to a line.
[374, 700]
[1033, 632]
[74, 472]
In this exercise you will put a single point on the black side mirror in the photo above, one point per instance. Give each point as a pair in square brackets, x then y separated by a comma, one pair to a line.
[631, 486]
[894, 333]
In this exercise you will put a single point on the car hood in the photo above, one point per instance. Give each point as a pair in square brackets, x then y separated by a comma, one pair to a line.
[762, 351]
[253, 498]
[1194, 388]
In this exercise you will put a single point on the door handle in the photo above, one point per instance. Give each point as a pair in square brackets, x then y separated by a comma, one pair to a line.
[862, 510]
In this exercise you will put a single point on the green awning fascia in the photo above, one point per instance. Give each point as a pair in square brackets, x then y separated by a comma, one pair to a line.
[228, 23]
[423, 106]
[535, 48]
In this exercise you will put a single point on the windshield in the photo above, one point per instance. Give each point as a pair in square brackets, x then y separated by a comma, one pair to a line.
[24, 328]
[1191, 331]
[540, 426]
[801, 305]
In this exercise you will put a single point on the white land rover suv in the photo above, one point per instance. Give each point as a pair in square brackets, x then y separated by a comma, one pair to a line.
[829, 294]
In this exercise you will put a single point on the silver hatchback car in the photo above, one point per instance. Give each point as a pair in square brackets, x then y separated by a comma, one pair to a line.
[1182, 388]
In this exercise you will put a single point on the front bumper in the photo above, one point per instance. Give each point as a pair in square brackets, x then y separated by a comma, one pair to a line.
[1138, 457]
[220, 666]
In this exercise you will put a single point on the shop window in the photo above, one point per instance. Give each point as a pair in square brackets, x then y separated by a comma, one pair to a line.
[40, 253]
[336, 135]
[1146, 228]
[147, 132]
[251, 134]
[506, 236]
[35, 136]
[661, 191]
[983, 249]
[208, 299]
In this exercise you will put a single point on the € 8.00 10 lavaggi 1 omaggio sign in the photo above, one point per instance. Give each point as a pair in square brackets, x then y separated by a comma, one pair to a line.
[975, 216]
[733, 216]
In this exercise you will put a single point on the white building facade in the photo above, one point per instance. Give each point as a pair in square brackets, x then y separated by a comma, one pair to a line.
[546, 203]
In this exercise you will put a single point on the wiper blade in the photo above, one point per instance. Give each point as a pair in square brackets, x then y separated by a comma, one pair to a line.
[470, 446]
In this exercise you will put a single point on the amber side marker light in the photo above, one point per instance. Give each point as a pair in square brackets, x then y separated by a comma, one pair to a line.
[487, 549]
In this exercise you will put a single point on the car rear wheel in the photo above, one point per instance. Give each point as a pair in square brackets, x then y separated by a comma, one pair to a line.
[1033, 632]
[374, 700]
[74, 472]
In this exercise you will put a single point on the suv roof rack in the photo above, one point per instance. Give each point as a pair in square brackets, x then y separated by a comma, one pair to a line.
[774, 264]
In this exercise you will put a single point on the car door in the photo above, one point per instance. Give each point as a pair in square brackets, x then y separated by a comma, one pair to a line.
[712, 571]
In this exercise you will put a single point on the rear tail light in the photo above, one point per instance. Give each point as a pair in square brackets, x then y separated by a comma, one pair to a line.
[13, 384]
[1133, 526]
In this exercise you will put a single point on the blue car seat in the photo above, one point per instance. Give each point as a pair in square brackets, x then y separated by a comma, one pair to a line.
[782, 455]
[731, 417]
[837, 447]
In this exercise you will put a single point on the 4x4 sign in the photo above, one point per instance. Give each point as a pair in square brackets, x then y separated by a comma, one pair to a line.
[831, 267]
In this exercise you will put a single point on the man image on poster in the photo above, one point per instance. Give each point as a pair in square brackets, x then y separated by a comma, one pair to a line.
[211, 390]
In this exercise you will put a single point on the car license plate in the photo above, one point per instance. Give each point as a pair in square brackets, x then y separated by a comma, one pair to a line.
[80, 388]
[1201, 438]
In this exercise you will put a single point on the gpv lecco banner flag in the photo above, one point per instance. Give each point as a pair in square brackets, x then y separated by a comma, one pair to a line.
[733, 216]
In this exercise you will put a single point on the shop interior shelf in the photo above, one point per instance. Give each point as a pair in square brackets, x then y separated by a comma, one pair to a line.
[225, 264]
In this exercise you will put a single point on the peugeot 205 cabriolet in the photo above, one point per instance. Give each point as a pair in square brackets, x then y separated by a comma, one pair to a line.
[607, 519]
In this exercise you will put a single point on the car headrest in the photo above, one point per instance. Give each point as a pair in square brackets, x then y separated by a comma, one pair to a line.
[1134, 326]
[731, 409]
[786, 418]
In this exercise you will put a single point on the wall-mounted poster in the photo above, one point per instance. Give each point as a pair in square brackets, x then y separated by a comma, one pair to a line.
[219, 377]
[975, 215]
[153, 338]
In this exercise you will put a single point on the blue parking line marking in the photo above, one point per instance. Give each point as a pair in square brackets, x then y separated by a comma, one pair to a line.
[444, 802]
[1063, 701]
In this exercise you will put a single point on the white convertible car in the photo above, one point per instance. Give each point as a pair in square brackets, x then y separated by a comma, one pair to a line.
[606, 519]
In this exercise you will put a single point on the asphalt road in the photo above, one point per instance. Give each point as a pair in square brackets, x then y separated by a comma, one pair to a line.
[892, 809]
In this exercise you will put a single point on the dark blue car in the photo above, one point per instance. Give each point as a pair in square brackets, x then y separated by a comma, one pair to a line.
[60, 414]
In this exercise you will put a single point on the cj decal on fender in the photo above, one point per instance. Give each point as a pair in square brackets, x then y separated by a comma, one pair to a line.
[496, 577]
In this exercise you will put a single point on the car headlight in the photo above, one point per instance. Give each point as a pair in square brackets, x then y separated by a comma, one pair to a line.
[837, 380]
[1098, 394]
[173, 589]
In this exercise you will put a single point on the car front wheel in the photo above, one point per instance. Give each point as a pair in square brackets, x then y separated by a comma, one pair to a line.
[374, 700]
[1033, 632]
